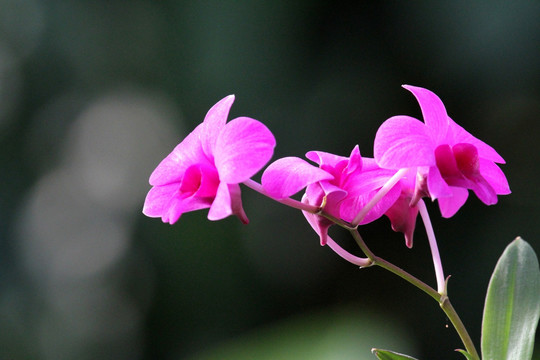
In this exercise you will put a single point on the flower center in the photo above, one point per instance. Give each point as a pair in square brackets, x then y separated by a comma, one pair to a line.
[200, 180]
[467, 159]
[457, 163]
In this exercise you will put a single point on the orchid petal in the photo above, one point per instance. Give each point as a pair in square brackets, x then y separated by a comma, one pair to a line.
[460, 135]
[451, 204]
[438, 188]
[402, 142]
[243, 147]
[180, 205]
[446, 162]
[495, 177]
[213, 123]
[367, 181]
[227, 202]
[165, 202]
[483, 190]
[355, 161]
[369, 164]
[324, 159]
[403, 218]
[433, 111]
[158, 200]
[287, 176]
[200, 180]
[172, 168]
[318, 223]
[334, 195]
[352, 205]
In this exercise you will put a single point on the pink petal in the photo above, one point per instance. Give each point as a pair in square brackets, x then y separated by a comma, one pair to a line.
[227, 202]
[214, 122]
[438, 188]
[355, 161]
[334, 196]
[446, 162]
[403, 218]
[467, 159]
[166, 202]
[460, 135]
[352, 205]
[243, 147]
[200, 180]
[318, 223]
[367, 181]
[495, 177]
[327, 194]
[172, 168]
[433, 112]
[158, 199]
[287, 176]
[483, 190]
[369, 164]
[324, 159]
[403, 142]
[451, 204]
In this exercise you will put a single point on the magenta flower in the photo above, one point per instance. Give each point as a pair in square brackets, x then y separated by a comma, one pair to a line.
[342, 185]
[449, 160]
[206, 168]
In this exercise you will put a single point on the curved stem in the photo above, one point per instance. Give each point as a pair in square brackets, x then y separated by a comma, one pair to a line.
[252, 184]
[439, 274]
[442, 299]
[451, 313]
[362, 262]
[393, 268]
[440, 296]
[379, 195]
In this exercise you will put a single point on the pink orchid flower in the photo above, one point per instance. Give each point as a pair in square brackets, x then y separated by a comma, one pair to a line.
[206, 168]
[449, 160]
[341, 185]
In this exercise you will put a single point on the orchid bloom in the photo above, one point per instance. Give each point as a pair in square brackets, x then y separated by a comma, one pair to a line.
[448, 160]
[341, 185]
[206, 168]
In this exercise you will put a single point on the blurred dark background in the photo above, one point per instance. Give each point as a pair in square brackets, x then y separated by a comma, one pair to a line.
[93, 94]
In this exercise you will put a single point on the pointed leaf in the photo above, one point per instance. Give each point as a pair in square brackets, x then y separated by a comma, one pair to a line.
[466, 354]
[512, 305]
[390, 355]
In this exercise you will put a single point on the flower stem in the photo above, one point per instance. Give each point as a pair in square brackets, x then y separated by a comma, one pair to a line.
[439, 274]
[362, 262]
[287, 201]
[393, 268]
[451, 313]
[442, 299]
[379, 195]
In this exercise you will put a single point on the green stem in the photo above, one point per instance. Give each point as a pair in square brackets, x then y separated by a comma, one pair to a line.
[393, 268]
[442, 299]
[449, 310]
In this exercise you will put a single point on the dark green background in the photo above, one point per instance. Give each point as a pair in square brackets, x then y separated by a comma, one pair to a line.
[94, 93]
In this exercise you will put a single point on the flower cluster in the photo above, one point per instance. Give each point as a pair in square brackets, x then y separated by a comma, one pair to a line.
[434, 159]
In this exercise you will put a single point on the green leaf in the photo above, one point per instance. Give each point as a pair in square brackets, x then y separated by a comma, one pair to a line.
[466, 354]
[390, 355]
[512, 305]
